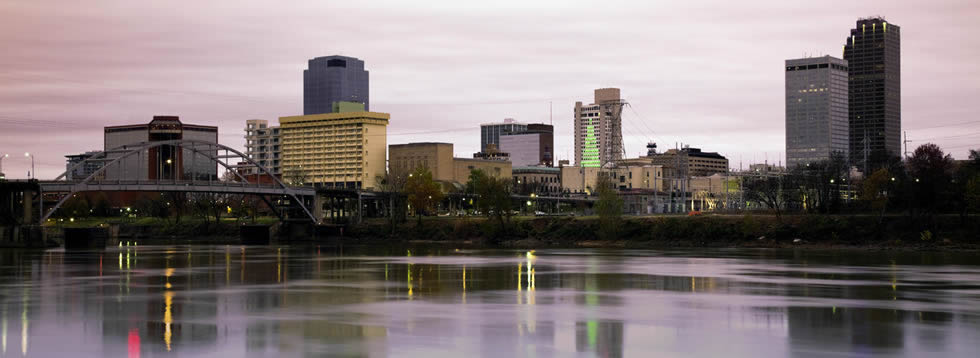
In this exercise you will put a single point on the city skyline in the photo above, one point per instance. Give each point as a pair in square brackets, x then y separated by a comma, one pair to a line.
[55, 104]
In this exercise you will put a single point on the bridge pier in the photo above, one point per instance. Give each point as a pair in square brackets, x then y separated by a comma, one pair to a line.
[255, 234]
[29, 206]
[317, 207]
[85, 238]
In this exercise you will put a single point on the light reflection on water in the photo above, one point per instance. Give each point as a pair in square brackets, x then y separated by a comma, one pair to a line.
[422, 302]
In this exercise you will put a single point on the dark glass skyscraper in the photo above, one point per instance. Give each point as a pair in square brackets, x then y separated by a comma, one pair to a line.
[874, 92]
[332, 79]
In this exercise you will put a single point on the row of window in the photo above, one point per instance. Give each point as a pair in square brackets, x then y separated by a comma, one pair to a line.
[815, 67]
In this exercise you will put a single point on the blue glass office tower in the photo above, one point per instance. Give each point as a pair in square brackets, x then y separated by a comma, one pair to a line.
[332, 79]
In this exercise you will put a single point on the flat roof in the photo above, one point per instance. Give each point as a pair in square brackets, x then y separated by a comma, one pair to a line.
[419, 143]
[335, 116]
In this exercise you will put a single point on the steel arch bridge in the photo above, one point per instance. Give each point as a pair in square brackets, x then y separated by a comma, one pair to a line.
[115, 168]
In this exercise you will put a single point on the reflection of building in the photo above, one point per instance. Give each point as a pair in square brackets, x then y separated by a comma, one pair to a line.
[599, 129]
[262, 145]
[816, 109]
[83, 171]
[534, 146]
[438, 159]
[335, 150]
[874, 89]
[162, 162]
[332, 79]
[603, 337]
[490, 132]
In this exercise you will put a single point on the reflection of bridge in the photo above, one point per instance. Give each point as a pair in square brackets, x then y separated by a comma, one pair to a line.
[162, 166]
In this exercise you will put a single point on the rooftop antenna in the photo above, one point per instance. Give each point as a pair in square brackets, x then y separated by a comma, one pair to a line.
[551, 114]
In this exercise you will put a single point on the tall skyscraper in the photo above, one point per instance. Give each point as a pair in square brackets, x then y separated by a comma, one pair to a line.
[490, 132]
[816, 109]
[332, 79]
[875, 92]
[599, 129]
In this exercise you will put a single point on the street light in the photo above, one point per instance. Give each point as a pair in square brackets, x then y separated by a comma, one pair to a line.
[33, 174]
[1, 164]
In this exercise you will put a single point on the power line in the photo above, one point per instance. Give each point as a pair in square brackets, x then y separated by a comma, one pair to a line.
[946, 125]
[947, 137]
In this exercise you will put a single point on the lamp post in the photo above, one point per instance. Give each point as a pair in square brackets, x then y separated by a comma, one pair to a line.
[1, 164]
[33, 174]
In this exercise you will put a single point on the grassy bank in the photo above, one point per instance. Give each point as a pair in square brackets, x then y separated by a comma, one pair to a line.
[942, 232]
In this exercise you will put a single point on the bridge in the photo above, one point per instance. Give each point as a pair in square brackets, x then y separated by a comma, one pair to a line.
[185, 166]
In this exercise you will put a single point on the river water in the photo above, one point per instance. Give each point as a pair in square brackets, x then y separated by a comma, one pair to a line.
[228, 301]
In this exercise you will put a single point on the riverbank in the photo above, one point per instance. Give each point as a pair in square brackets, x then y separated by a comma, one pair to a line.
[951, 233]
[715, 231]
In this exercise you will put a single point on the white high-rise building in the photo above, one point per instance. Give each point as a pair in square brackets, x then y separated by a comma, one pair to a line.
[262, 145]
[599, 129]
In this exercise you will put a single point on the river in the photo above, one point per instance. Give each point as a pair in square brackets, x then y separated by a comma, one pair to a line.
[284, 301]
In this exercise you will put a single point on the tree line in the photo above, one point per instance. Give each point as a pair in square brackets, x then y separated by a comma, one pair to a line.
[929, 182]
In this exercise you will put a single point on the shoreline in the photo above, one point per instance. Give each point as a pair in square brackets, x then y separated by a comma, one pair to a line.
[814, 232]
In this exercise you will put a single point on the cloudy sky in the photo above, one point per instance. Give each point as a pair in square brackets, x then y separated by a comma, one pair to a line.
[703, 72]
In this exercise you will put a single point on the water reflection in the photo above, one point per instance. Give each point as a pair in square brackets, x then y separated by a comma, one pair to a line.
[312, 301]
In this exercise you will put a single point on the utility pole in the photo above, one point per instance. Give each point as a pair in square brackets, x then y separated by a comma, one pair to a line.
[906, 142]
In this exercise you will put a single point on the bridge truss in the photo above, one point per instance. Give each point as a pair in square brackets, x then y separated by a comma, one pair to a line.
[162, 166]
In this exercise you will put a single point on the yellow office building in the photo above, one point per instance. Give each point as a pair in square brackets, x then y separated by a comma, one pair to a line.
[335, 150]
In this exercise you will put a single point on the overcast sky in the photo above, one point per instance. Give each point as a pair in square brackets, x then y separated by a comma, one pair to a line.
[706, 73]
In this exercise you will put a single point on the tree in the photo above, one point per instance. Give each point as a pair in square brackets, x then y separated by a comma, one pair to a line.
[76, 206]
[296, 175]
[767, 190]
[493, 195]
[609, 207]
[177, 202]
[966, 186]
[874, 191]
[422, 192]
[153, 205]
[392, 184]
[931, 173]
[102, 207]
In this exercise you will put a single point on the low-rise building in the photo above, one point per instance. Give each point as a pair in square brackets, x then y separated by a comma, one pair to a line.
[335, 150]
[492, 153]
[689, 161]
[438, 159]
[638, 177]
[579, 180]
[83, 171]
[537, 179]
[161, 162]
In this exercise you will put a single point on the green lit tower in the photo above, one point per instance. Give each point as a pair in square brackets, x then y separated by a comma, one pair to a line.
[599, 129]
